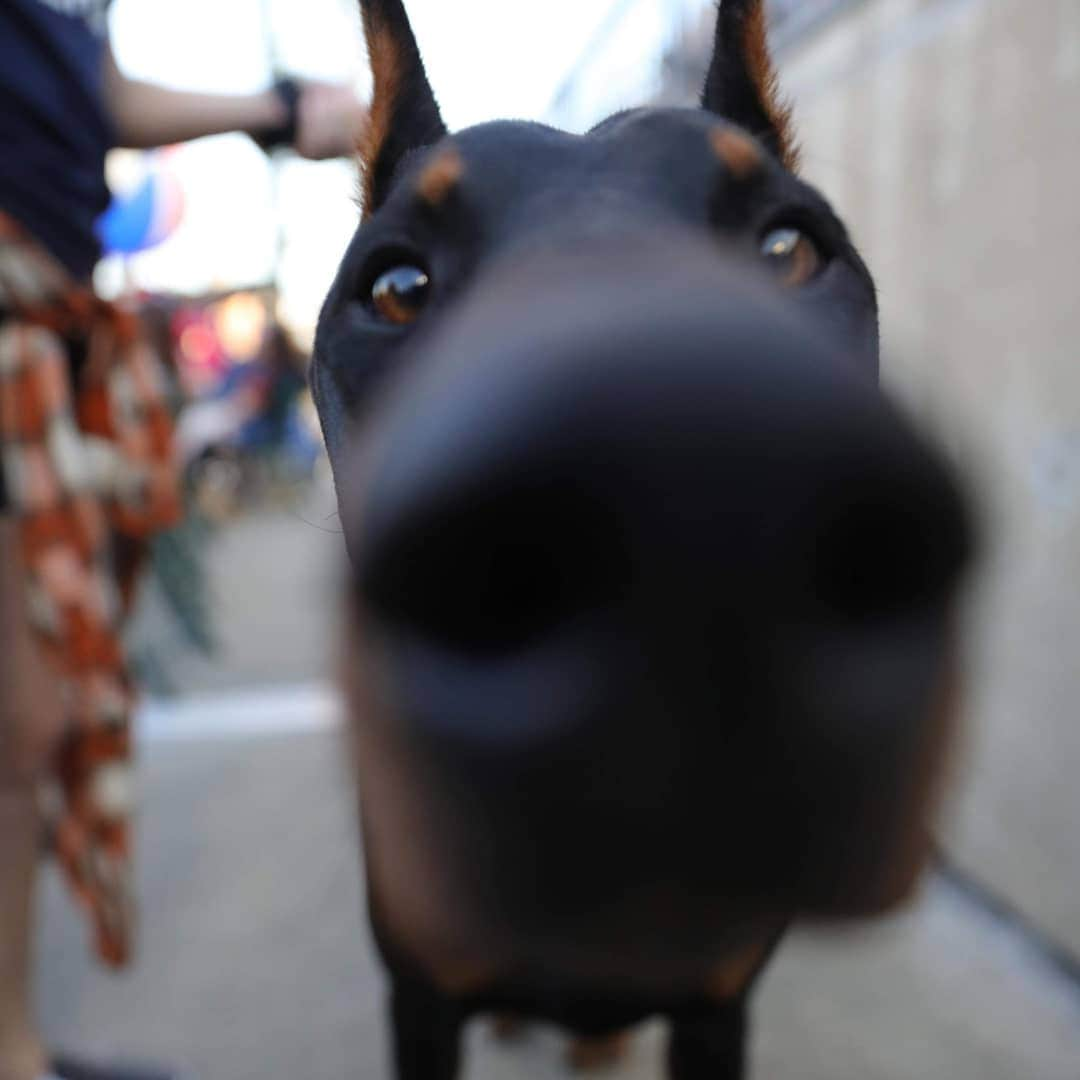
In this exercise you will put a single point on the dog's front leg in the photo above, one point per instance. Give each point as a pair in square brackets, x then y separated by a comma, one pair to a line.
[426, 1029]
[710, 1043]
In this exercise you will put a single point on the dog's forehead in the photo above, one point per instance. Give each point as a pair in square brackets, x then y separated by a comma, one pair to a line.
[663, 152]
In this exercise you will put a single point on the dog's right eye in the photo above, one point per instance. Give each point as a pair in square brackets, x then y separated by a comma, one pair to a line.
[400, 294]
[793, 255]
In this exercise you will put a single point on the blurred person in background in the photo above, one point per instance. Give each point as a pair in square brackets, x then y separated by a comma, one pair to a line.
[86, 470]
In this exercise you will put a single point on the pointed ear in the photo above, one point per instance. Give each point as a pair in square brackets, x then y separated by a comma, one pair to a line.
[404, 113]
[742, 86]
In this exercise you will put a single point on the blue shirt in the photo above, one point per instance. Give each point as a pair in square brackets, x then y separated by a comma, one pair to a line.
[54, 127]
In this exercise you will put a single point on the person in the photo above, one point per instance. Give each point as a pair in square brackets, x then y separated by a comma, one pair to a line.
[86, 473]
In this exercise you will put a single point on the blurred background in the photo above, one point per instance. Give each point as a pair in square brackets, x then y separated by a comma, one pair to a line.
[947, 133]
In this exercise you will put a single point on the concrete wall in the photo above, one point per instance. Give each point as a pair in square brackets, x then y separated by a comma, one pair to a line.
[947, 132]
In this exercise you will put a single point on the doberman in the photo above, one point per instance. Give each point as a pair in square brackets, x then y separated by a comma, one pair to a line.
[651, 617]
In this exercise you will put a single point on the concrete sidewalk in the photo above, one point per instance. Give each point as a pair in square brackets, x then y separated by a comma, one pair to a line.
[256, 960]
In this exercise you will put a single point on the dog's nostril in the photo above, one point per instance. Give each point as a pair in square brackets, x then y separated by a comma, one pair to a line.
[878, 557]
[493, 572]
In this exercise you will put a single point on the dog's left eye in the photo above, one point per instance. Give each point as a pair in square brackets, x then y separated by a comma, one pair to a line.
[399, 295]
[792, 255]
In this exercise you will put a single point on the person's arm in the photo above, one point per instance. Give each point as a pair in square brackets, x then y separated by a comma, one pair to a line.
[329, 117]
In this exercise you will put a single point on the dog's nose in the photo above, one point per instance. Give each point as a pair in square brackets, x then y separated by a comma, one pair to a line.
[589, 436]
[650, 553]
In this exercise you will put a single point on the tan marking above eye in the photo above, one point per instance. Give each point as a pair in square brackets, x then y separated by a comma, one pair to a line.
[792, 255]
[399, 295]
[738, 152]
[440, 177]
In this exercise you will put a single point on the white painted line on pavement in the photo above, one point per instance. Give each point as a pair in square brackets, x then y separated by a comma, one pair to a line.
[308, 708]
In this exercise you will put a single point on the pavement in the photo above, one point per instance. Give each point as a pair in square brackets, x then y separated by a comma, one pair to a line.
[256, 962]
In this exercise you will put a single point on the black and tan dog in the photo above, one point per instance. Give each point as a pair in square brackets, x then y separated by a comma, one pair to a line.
[650, 634]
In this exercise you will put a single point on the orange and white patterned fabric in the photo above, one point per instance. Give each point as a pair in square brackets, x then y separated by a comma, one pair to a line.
[86, 453]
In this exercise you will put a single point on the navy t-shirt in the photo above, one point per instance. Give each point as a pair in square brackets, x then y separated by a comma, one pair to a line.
[54, 129]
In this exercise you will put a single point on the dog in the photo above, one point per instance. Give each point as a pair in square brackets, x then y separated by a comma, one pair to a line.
[651, 642]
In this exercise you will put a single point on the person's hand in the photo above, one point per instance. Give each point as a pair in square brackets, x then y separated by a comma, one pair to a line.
[330, 121]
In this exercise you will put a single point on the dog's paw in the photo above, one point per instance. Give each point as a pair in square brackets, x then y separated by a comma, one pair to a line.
[591, 1055]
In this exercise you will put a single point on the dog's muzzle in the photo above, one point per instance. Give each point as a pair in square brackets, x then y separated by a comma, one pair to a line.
[662, 590]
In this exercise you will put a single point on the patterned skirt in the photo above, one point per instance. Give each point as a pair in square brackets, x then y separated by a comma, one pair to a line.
[88, 471]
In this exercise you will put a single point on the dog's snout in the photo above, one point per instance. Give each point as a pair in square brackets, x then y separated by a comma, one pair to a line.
[647, 554]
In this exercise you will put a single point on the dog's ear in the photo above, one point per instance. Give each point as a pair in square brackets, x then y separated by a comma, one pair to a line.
[404, 113]
[742, 86]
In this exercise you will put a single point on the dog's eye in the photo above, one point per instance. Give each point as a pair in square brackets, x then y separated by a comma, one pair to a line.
[792, 255]
[400, 294]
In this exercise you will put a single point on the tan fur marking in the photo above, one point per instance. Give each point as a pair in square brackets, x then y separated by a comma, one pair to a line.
[440, 177]
[760, 65]
[729, 979]
[386, 75]
[602, 1052]
[737, 151]
[428, 911]
[914, 842]
[507, 1026]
